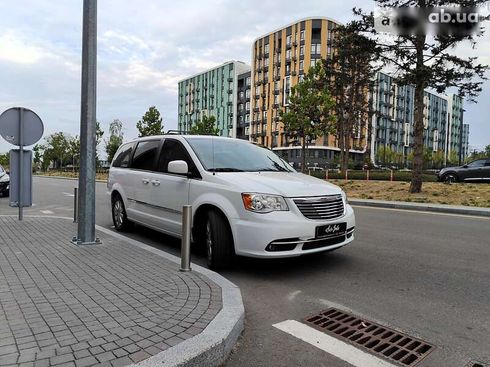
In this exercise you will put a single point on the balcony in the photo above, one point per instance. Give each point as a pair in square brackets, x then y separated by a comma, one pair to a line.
[256, 109]
[230, 91]
[275, 105]
[257, 96]
[293, 73]
[230, 79]
[277, 91]
[277, 77]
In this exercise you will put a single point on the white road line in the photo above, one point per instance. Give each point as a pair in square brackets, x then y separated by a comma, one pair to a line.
[331, 345]
[68, 194]
[47, 212]
[420, 212]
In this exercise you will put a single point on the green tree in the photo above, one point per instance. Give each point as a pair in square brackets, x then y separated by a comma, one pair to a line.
[349, 74]
[38, 150]
[428, 62]
[151, 123]
[56, 150]
[205, 127]
[4, 159]
[310, 110]
[74, 150]
[99, 133]
[115, 139]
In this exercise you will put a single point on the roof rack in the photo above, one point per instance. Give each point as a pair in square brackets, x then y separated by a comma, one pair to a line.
[177, 132]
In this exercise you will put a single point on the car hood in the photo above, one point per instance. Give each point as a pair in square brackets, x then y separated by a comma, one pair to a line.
[281, 183]
[4, 176]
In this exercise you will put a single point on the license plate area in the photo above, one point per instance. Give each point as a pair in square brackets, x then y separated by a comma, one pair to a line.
[330, 230]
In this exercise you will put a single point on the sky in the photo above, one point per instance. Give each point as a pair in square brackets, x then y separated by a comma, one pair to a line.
[144, 49]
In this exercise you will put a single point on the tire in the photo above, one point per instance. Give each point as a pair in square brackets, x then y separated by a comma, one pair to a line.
[119, 217]
[449, 178]
[218, 241]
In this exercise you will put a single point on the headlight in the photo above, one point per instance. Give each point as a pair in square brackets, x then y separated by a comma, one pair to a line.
[264, 203]
[5, 178]
[344, 196]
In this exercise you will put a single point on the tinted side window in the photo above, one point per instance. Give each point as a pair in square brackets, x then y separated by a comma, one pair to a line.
[145, 154]
[122, 159]
[173, 150]
[488, 163]
[479, 163]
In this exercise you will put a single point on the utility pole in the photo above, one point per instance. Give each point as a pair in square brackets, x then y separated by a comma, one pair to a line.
[86, 181]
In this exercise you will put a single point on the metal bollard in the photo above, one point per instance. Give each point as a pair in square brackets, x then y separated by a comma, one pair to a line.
[185, 251]
[75, 204]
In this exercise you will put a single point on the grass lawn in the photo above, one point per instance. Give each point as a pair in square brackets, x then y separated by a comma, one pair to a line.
[468, 194]
[98, 175]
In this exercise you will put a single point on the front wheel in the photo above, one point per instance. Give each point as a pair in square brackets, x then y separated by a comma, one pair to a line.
[119, 217]
[450, 178]
[219, 241]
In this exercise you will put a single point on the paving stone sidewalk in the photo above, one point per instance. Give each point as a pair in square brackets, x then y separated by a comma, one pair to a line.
[112, 304]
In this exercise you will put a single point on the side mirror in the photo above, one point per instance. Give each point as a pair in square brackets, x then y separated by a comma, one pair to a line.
[178, 168]
[7, 172]
[465, 166]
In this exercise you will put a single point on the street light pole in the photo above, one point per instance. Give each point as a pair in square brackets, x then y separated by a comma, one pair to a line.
[86, 181]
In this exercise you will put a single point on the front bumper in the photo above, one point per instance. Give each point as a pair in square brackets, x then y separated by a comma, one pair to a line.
[291, 233]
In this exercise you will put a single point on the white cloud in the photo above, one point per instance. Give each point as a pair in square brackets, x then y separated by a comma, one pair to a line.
[15, 50]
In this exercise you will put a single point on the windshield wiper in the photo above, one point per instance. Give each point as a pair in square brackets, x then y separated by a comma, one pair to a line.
[225, 169]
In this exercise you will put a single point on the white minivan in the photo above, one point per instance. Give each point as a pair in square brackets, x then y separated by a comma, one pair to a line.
[245, 199]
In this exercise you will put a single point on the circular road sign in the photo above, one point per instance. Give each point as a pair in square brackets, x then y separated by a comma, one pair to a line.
[10, 126]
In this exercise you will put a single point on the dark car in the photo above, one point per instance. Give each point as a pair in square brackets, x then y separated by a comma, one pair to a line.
[478, 170]
[4, 182]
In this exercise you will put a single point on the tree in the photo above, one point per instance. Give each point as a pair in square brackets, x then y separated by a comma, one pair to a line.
[4, 159]
[349, 74]
[98, 138]
[56, 150]
[115, 139]
[74, 144]
[428, 62]
[38, 153]
[205, 127]
[309, 113]
[151, 123]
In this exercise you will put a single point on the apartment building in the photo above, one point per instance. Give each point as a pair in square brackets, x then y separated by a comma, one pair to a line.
[466, 141]
[211, 93]
[392, 125]
[243, 105]
[279, 61]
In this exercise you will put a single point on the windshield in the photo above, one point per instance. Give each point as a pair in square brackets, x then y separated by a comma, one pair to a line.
[233, 155]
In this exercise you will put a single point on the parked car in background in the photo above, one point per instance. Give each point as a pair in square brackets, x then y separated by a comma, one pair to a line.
[478, 170]
[245, 199]
[4, 182]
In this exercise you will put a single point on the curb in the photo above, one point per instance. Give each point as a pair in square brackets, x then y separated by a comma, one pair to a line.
[437, 208]
[64, 178]
[213, 345]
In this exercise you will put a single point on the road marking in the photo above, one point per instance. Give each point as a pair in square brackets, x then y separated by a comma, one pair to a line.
[68, 194]
[331, 345]
[47, 212]
[420, 212]
[292, 295]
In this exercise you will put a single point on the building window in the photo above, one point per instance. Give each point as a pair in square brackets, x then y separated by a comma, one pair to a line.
[247, 106]
[276, 99]
[247, 93]
[288, 54]
[276, 85]
[240, 95]
[313, 62]
[248, 81]
[302, 35]
[240, 107]
[287, 87]
[301, 64]
[302, 50]
[247, 117]
[247, 130]
[315, 49]
[288, 40]
[266, 48]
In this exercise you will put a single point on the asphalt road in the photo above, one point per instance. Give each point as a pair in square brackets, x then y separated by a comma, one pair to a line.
[427, 275]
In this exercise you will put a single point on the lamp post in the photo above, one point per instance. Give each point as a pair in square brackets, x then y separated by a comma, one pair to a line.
[86, 180]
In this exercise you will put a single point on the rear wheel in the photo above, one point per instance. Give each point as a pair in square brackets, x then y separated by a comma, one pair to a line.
[218, 240]
[450, 178]
[119, 217]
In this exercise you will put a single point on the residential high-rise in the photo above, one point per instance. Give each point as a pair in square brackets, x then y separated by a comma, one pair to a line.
[392, 125]
[466, 140]
[243, 105]
[279, 61]
[454, 139]
[211, 93]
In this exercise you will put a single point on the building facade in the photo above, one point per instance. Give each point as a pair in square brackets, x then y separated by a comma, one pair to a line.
[243, 105]
[211, 93]
[466, 141]
[392, 125]
[279, 61]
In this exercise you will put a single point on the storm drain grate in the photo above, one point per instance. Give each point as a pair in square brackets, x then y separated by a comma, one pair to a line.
[379, 340]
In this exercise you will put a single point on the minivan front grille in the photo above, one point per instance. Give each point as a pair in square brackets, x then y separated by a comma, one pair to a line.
[321, 207]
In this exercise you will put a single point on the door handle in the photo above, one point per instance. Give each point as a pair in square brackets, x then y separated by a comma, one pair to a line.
[145, 181]
[155, 182]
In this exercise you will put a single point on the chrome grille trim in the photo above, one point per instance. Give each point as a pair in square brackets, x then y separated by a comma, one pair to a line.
[321, 207]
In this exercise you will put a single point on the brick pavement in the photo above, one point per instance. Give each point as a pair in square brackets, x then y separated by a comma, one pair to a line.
[110, 305]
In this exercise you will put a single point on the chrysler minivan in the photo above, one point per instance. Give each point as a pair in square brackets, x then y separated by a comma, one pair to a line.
[245, 199]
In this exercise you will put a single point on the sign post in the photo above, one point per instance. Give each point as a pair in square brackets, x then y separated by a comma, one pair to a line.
[20, 126]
